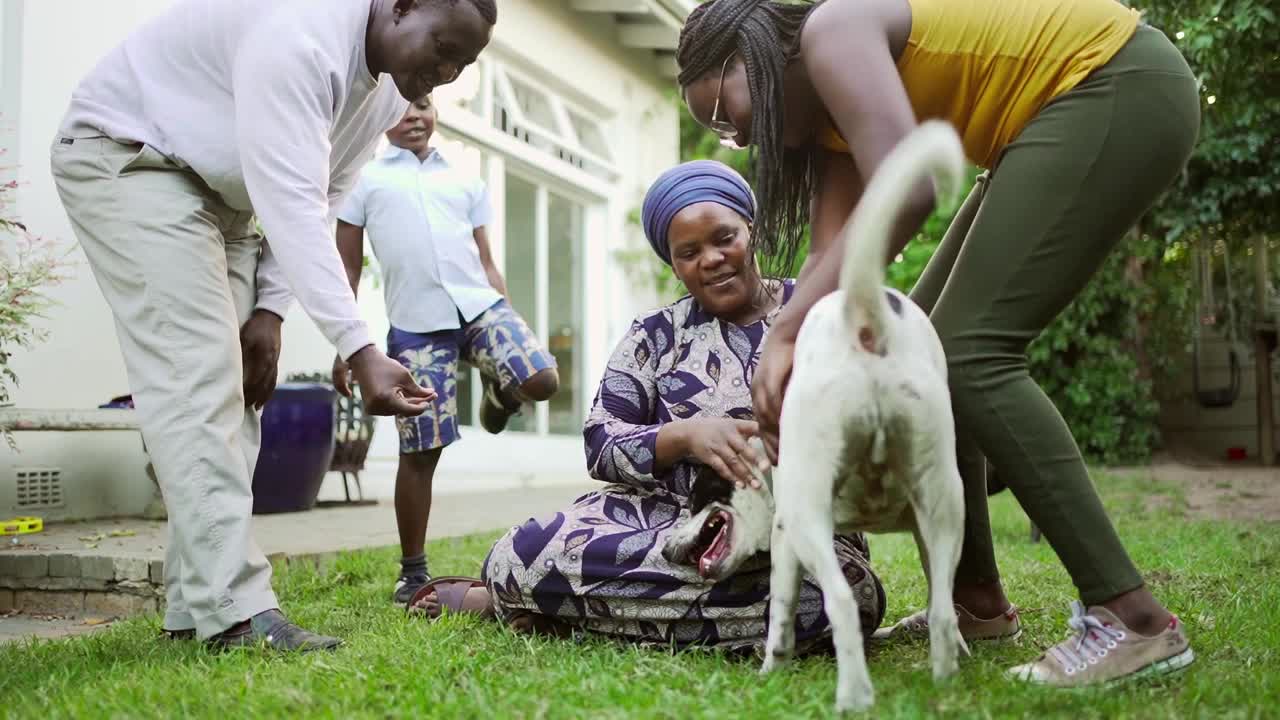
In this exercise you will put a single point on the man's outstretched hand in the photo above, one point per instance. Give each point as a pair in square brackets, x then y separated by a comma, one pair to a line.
[341, 376]
[386, 387]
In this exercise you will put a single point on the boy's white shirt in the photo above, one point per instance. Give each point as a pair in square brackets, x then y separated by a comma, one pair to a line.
[420, 217]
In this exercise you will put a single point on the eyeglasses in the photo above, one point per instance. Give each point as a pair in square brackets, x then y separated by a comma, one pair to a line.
[724, 128]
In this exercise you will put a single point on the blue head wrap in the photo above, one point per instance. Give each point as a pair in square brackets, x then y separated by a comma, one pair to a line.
[686, 184]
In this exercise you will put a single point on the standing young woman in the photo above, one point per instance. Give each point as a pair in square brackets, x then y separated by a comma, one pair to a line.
[1083, 116]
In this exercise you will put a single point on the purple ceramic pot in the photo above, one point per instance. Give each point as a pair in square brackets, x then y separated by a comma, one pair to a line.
[297, 447]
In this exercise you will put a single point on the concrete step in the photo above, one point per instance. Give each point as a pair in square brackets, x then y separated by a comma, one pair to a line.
[115, 568]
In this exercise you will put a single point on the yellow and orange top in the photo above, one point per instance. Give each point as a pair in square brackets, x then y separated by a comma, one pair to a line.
[988, 66]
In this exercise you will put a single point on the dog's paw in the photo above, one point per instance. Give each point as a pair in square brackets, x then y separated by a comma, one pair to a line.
[771, 663]
[852, 702]
[944, 669]
[946, 660]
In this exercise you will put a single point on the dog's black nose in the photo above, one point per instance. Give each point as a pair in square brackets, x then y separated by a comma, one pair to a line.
[666, 554]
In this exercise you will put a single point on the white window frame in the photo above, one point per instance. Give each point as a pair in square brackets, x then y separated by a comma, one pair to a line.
[595, 213]
[595, 217]
[565, 135]
[477, 125]
[472, 123]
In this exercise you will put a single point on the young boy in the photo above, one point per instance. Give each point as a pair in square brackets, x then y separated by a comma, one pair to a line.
[446, 302]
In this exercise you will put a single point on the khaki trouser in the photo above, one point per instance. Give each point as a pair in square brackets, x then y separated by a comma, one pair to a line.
[177, 266]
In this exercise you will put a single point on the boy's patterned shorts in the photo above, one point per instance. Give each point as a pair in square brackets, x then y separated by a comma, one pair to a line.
[497, 342]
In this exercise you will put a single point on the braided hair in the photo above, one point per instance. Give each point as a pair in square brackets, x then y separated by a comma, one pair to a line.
[767, 34]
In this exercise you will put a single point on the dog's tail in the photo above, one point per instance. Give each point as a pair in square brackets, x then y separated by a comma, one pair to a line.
[932, 148]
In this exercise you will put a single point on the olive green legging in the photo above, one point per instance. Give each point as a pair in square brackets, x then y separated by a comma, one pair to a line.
[1023, 245]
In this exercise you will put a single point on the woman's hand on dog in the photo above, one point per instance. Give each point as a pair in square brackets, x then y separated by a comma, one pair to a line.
[721, 444]
[767, 387]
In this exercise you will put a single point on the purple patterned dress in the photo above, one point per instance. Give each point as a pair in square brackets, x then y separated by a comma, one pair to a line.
[597, 565]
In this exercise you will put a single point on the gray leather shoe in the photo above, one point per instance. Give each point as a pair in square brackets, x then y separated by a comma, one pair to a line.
[272, 629]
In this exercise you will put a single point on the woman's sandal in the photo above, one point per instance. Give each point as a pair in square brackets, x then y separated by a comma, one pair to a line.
[451, 592]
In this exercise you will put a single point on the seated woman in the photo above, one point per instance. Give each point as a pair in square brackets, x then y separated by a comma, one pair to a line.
[676, 395]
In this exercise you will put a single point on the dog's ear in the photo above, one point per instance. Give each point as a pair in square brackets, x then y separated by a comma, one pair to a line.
[708, 487]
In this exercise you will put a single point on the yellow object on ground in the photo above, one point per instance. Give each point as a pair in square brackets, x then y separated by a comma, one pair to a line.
[21, 526]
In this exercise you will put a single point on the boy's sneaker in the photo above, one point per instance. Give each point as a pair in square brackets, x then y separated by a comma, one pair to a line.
[494, 413]
[1005, 626]
[1103, 651]
[407, 585]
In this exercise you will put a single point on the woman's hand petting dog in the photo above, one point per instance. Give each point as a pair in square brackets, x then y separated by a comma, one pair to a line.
[721, 444]
[768, 385]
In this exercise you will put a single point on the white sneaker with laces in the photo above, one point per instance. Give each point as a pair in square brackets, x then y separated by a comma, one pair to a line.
[1102, 650]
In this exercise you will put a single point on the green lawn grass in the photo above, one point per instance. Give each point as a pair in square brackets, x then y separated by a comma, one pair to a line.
[1222, 578]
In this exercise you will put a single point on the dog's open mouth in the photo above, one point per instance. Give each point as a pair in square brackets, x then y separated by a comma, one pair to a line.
[713, 542]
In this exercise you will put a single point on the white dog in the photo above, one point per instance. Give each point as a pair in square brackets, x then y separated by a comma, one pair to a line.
[867, 439]
[867, 443]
